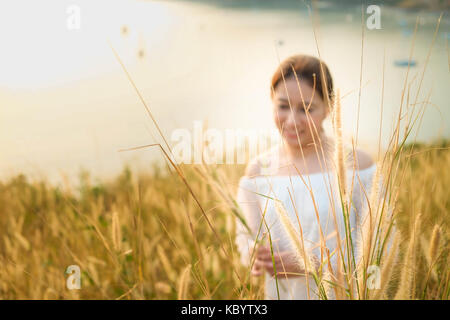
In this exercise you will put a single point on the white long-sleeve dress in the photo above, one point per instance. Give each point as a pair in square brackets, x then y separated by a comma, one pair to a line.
[294, 191]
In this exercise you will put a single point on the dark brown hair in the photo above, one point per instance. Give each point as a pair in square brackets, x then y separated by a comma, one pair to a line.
[306, 67]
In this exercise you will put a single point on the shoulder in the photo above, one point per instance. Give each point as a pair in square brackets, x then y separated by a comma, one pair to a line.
[254, 166]
[363, 159]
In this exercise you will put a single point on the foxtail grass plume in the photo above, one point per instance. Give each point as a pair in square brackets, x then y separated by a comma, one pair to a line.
[167, 266]
[183, 283]
[116, 232]
[406, 284]
[387, 268]
[433, 250]
[339, 157]
[434, 244]
[367, 234]
[303, 258]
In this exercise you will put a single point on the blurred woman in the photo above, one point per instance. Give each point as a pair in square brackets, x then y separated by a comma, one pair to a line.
[300, 173]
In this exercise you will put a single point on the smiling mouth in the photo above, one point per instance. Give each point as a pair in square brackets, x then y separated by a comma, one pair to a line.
[293, 134]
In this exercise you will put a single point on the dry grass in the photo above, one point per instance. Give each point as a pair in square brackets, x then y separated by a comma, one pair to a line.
[169, 233]
[131, 236]
[129, 232]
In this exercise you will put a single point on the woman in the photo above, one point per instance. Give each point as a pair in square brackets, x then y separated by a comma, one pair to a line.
[300, 176]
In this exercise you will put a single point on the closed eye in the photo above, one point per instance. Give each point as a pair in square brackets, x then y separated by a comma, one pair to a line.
[299, 109]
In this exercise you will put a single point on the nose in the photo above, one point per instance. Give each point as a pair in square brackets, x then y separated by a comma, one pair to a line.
[290, 121]
[294, 120]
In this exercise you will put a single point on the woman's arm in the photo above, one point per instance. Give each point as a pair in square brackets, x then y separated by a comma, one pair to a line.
[251, 212]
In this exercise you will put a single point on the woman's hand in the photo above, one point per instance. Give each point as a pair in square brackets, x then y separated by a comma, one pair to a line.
[286, 264]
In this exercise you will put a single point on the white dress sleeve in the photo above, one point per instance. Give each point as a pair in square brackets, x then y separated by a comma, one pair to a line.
[248, 202]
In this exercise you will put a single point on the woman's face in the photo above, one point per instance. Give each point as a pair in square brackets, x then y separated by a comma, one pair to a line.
[290, 122]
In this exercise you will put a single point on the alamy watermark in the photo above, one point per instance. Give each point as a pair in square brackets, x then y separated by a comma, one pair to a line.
[374, 20]
[73, 281]
[73, 21]
[373, 281]
[228, 146]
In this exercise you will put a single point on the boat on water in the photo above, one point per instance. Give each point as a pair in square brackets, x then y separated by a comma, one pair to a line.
[405, 62]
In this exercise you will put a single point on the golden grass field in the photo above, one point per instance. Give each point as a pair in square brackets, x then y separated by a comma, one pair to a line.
[142, 235]
[168, 233]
